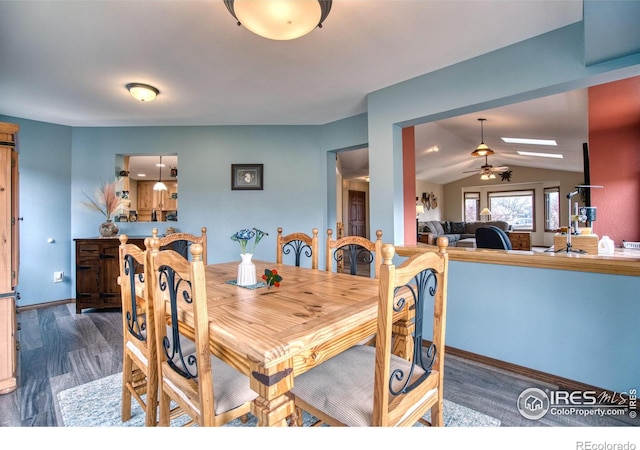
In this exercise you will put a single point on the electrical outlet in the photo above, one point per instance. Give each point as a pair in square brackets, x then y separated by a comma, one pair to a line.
[58, 277]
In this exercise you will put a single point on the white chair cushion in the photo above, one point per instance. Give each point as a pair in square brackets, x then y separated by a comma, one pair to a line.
[230, 387]
[342, 387]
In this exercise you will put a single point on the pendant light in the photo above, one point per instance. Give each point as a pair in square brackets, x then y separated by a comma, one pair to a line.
[160, 186]
[483, 149]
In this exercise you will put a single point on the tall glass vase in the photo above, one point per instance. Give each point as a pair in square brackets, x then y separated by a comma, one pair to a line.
[246, 271]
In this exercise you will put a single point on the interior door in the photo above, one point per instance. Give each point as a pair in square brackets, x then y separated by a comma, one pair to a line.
[357, 214]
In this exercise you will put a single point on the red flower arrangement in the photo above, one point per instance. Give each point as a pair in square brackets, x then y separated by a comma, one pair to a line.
[272, 278]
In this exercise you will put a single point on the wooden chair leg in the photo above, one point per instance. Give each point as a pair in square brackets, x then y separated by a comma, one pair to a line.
[164, 408]
[437, 419]
[152, 400]
[127, 369]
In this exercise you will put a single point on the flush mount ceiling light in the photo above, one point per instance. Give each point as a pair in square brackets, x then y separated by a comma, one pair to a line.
[280, 20]
[483, 149]
[142, 92]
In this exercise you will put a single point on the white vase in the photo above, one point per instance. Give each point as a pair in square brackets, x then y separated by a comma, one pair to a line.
[246, 271]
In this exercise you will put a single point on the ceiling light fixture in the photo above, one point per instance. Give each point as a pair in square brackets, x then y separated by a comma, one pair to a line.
[160, 186]
[550, 142]
[542, 155]
[280, 20]
[483, 149]
[142, 92]
[488, 175]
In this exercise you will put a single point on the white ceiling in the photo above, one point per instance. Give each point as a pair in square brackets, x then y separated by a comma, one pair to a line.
[562, 117]
[67, 62]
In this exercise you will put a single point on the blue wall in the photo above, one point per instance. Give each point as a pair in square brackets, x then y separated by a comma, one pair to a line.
[570, 324]
[577, 325]
[45, 180]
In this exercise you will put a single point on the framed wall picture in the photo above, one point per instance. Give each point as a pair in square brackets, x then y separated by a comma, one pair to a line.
[247, 177]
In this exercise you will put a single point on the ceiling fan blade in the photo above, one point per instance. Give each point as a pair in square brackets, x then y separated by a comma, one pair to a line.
[500, 169]
[473, 171]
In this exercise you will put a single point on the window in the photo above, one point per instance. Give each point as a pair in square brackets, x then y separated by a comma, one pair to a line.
[551, 208]
[471, 206]
[514, 207]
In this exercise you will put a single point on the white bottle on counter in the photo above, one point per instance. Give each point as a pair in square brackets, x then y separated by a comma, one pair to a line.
[605, 246]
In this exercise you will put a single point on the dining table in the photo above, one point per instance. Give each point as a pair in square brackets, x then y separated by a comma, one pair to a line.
[274, 333]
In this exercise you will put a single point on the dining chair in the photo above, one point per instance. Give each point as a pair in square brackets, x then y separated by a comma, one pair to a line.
[492, 237]
[139, 365]
[354, 250]
[370, 386]
[299, 244]
[180, 242]
[204, 387]
[139, 374]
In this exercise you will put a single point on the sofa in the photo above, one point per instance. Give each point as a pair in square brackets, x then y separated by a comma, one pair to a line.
[455, 231]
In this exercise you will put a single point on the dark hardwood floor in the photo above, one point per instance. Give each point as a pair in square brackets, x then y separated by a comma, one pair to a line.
[60, 349]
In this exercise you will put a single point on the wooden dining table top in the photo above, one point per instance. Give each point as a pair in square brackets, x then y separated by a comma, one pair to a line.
[271, 325]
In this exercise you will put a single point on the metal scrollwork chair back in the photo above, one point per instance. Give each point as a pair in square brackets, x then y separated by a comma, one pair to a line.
[354, 250]
[298, 245]
[187, 377]
[139, 375]
[367, 386]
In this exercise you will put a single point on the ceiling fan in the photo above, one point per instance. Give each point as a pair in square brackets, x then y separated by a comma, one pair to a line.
[486, 171]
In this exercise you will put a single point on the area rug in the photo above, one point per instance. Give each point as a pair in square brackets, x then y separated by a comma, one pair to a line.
[98, 404]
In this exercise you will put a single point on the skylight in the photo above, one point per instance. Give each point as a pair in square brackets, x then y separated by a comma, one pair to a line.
[542, 155]
[530, 141]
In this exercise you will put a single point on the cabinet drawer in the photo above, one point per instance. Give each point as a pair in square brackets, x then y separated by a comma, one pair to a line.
[520, 241]
[87, 252]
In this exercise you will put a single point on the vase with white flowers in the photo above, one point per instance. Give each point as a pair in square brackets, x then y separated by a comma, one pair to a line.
[246, 268]
[107, 202]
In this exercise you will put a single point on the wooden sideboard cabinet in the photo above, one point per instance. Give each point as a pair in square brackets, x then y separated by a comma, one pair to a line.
[520, 240]
[97, 271]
